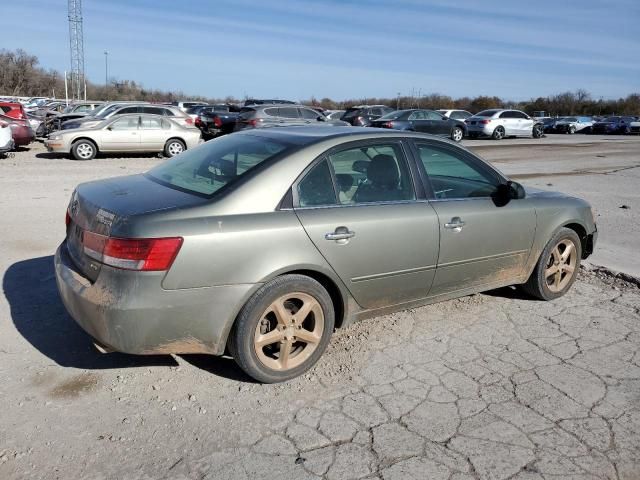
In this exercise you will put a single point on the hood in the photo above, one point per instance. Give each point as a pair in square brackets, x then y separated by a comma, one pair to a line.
[538, 193]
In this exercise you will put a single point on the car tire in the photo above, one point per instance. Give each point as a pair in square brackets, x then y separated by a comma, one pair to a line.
[457, 134]
[498, 133]
[538, 131]
[260, 335]
[626, 131]
[556, 264]
[173, 147]
[84, 150]
[572, 130]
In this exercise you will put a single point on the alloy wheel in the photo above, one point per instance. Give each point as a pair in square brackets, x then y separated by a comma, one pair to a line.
[289, 331]
[457, 134]
[175, 148]
[560, 265]
[85, 150]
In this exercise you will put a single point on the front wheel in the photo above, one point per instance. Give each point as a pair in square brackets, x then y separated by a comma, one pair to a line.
[174, 147]
[457, 134]
[84, 150]
[538, 131]
[557, 267]
[283, 329]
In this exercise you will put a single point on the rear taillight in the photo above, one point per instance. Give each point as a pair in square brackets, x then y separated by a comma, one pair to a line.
[388, 125]
[67, 219]
[189, 121]
[143, 254]
[217, 122]
[484, 122]
[197, 122]
[254, 121]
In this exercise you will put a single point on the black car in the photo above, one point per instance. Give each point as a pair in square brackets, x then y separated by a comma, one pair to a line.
[427, 121]
[613, 125]
[215, 120]
[363, 115]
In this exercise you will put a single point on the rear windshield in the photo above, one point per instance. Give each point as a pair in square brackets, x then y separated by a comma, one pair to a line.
[487, 113]
[209, 167]
[351, 112]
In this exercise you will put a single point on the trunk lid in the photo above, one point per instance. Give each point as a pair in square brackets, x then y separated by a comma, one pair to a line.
[105, 206]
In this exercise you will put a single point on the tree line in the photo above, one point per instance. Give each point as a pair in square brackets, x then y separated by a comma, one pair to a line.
[21, 75]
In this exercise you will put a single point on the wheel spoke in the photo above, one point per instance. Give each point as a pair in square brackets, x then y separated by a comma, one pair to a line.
[556, 254]
[568, 268]
[269, 338]
[557, 278]
[285, 350]
[307, 336]
[282, 314]
[304, 311]
[552, 270]
[567, 252]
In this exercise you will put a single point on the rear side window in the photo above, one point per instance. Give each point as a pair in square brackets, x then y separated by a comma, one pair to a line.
[288, 112]
[130, 110]
[272, 112]
[309, 114]
[206, 169]
[316, 188]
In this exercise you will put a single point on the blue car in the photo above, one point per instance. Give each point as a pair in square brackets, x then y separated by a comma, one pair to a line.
[613, 125]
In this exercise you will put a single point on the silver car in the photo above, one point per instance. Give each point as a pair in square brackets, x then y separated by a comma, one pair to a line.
[262, 242]
[498, 124]
[282, 115]
[125, 133]
[174, 113]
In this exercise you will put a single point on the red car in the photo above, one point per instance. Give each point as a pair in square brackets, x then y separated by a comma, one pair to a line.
[21, 131]
[13, 110]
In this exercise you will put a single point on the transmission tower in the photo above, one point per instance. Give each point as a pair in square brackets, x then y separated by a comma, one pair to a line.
[76, 42]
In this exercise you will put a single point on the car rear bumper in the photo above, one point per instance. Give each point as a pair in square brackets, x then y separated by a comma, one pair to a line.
[130, 312]
[481, 130]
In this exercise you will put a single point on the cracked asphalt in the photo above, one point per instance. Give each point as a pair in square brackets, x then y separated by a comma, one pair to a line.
[490, 386]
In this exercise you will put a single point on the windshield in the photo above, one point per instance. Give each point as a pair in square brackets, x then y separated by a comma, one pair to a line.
[392, 115]
[107, 111]
[211, 166]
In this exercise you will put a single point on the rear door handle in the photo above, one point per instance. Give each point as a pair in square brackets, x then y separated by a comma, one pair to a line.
[340, 233]
[456, 224]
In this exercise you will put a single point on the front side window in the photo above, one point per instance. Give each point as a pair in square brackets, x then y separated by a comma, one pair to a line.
[453, 175]
[206, 169]
[129, 123]
[433, 116]
[288, 112]
[419, 115]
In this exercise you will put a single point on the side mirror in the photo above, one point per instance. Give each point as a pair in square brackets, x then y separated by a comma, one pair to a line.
[321, 118]
[515, 190]
[109, 128]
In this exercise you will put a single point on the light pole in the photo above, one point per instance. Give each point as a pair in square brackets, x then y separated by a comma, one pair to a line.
[106, 69]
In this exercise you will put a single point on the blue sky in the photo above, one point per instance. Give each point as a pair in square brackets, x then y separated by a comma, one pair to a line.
[346, 48]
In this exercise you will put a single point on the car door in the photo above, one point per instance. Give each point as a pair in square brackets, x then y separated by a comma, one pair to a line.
[290, 116]
[359, 207]
[309, 117]
[153, 133]
[525, 123]
[509, 122]
[484, 240]
[121, 135]
[418, 122]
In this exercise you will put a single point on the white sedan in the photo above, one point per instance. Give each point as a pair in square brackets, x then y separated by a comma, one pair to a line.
[125, 133]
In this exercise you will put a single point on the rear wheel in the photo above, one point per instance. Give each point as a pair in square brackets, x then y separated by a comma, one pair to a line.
[557, 266]
[572, 130]
[457, 134]
[84, 150]
[174, 147]
[283, 329]
[498, 133]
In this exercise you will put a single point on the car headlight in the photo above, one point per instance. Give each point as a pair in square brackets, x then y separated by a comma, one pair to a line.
[55, 137]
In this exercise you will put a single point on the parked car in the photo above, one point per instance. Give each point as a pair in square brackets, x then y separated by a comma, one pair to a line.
[613, 125]
[216, 120]
[461, 115]
[572, 125]
[635, 126]
[125, 133]
[186, 105]
[499, 123]
[549, 124]
[6, 138]
[260, 243]
[73, 111]
[166, 110]
[281, 115]
[13, 110]
[426, 121]
[21, 130]
[363, 115]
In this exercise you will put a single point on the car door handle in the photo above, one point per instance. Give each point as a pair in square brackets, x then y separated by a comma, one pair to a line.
[456, 224]
[340, 233]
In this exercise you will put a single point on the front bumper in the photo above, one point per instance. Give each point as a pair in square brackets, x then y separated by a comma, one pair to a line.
[10, 145]
[130, 312]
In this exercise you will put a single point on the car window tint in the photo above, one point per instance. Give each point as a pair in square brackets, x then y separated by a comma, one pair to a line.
[129, 123]
[167, 112]
[419, 115]
[213, 165]
[433, 116]
[505, 115]
[375, 112]
[288, 112]
[272, 112]
[309, 114]
[151, 123]
[453, 175]
[377, 173]
[316, 188]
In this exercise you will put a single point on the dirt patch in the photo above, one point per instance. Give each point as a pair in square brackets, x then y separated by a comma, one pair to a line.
[76, 385]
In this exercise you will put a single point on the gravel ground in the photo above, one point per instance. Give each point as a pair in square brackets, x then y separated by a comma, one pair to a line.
[489, 386]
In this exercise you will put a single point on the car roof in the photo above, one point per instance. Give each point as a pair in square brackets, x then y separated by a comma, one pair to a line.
[305, 135]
